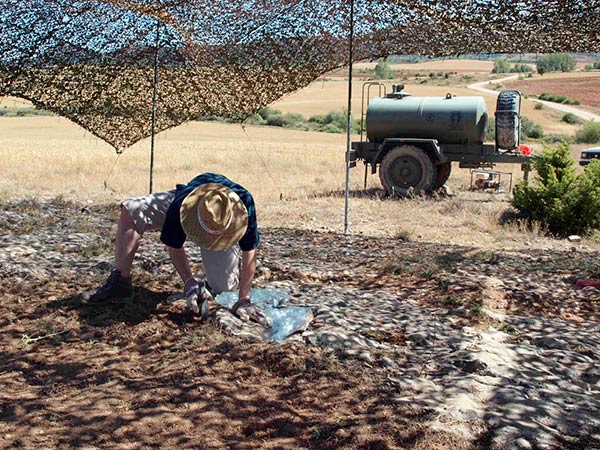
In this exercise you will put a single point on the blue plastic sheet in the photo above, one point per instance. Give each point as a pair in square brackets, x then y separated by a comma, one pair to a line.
[286, 320]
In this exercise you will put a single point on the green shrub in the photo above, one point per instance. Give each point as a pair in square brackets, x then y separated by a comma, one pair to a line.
[558, 99]
[557, 138]
[332, 122]
[266, 112]
[589, 133]
[530, 129]
[571, 119]
[23, 111]
[318, 118]
[339, 119]
[331, 128]
[255, 119]
[291, 120]
[275, 120]
[565, 202]
[539, 106]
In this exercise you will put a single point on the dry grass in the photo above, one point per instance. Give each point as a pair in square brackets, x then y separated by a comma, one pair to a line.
[296, 177]
[51, 155]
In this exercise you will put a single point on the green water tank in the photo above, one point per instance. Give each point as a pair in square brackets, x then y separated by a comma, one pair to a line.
[450, 119]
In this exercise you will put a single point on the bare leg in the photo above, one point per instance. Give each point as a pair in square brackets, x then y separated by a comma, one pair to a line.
[127, 244]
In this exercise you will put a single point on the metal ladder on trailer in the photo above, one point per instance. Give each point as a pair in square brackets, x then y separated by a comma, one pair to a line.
[366, 89]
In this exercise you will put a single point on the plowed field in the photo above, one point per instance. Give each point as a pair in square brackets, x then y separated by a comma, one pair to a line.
[584, 89]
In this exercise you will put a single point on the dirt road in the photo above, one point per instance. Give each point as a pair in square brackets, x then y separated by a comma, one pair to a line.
[480, 87]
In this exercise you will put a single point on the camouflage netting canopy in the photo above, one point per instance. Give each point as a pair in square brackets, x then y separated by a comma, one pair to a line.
[94, 61]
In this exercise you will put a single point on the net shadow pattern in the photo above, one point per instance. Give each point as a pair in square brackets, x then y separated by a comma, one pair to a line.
[94, 61]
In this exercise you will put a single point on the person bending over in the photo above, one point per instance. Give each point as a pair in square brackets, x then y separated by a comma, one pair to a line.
[214, 213]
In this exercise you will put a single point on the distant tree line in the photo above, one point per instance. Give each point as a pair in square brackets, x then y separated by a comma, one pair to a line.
[556, 62]
[24, 111]
[505, 66]
[332, 122]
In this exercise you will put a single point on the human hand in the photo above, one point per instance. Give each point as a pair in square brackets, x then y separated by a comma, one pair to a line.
[247, 311]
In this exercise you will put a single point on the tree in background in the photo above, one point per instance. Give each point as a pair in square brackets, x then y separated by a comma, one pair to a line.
[521, 68]
[383, 71]
[556, 62]
[501, 66]
[564, 201]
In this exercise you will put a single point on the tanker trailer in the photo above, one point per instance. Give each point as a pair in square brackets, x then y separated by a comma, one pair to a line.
[414, 140]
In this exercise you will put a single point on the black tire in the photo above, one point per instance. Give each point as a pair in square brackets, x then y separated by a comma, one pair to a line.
[442, 173]
[405, 170]
[507, 120]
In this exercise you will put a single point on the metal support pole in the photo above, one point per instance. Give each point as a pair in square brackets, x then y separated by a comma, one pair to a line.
[154, 96]
[349, 130]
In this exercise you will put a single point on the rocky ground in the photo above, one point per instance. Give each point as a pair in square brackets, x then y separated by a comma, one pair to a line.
[413, 345]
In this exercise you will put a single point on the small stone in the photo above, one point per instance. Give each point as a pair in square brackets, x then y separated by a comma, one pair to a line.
[471, 365]
[522, 444]
[551, 343]
[419, 338]
[386, 362]
[574, 238]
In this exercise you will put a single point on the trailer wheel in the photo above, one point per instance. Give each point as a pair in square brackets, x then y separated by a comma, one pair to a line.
[442, 174]
[406, 168]
[507, 120]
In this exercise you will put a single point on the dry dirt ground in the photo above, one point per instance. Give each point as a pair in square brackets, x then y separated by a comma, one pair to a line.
[149, 375]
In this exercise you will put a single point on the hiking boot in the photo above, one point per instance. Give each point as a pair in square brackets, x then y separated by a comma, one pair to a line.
[116, 287]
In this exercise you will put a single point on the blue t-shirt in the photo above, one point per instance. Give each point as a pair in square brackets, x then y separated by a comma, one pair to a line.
[172, 233]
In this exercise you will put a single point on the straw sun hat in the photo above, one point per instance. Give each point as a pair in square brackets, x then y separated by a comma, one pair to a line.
[213, 216]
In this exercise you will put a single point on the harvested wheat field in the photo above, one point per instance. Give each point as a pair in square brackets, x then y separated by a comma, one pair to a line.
[438, 324]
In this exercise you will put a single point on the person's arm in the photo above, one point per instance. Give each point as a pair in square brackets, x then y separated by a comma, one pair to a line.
[247, 273]
[181, 262]
[243, 308]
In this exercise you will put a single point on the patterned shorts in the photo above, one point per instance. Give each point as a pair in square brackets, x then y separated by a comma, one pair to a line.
[149, 212]
[221, 267]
